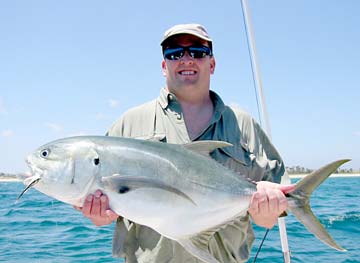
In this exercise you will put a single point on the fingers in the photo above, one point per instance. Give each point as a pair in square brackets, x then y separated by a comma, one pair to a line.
[273, 201]
[287, 188]
[273, 195]
[268, 201]
[282, 202]
[105, 210]
[104, 205]
[282, 187]
[267, 204]
[96, 204]
[254, 204]
[86, 209]
[111, 215]
[277, 202]
[96, 208]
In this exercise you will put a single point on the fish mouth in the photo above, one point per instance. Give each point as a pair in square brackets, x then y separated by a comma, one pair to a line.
[32, 181]
[32, 178]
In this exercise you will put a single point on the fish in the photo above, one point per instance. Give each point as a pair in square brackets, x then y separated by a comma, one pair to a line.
[177, 190]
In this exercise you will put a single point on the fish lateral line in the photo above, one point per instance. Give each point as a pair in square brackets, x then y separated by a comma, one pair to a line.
[123, 184]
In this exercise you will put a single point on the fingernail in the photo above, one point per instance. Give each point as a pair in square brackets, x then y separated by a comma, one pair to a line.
[97, 194]
[103, 198]
[89, 198]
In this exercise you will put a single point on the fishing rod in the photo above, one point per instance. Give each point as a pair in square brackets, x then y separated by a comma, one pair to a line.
[263, 114]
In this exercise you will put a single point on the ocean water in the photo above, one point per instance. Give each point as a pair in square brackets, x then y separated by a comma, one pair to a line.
[40, 229]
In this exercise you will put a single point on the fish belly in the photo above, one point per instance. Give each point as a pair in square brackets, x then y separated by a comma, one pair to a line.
[174, 217]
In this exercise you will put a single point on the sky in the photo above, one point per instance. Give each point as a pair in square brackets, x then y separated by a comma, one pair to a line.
[73, 67]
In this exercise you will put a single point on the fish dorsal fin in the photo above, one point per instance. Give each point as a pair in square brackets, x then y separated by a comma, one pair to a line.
[206, 147]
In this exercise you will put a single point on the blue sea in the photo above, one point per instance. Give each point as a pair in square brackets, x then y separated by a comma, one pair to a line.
[41, 229]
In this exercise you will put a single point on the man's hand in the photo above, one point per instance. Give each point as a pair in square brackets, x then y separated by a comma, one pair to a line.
[268, 203]
[96, 208]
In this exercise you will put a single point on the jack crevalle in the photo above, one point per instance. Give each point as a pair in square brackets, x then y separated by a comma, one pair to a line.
[174, 189]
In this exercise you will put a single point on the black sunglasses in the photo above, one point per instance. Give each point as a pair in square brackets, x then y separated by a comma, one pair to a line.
[175, 53]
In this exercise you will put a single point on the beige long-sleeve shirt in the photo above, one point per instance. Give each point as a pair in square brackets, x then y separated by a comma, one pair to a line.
[253, 156]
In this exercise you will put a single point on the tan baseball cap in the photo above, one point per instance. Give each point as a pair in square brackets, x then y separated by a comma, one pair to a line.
[190, 29]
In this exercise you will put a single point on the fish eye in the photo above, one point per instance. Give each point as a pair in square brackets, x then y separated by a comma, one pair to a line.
[45, 153]
[96, 161]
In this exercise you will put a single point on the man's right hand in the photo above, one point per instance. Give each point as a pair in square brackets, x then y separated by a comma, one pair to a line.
[96, 208]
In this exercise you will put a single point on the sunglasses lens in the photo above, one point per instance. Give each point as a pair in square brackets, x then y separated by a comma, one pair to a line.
[199, 52]
[174, 53]
[194, 51]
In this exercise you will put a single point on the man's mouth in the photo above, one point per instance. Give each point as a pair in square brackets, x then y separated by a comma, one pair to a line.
[187, 72]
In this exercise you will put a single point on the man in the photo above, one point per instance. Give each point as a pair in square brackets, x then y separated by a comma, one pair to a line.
[185, 111]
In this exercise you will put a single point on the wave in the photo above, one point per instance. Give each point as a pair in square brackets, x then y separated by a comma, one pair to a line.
[349, 217]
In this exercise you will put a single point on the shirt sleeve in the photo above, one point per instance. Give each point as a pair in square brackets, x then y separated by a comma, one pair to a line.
[267, 164]
[137, 122]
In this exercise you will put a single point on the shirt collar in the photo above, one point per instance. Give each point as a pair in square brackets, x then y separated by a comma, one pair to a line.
[166, 97]
[219, 106]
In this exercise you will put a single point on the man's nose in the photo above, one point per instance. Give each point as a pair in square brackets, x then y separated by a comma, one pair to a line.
[187, 57]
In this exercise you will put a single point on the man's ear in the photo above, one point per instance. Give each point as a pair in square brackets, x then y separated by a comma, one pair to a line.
[163, 66]
[212, 65]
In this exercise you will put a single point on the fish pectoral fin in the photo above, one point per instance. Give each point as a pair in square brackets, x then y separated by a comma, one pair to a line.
[206, 147]
[198, 247]
[123, 184]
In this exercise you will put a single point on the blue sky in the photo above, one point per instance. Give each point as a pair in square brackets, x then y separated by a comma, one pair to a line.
[73, 67]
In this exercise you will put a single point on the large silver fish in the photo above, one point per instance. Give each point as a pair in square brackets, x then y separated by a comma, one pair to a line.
[174, 189]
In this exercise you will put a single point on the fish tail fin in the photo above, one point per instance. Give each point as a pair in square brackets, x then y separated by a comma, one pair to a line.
[300, 206]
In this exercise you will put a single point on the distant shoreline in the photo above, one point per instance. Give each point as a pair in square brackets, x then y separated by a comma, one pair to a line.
[296, 176]
[5, 180]
[7, 177]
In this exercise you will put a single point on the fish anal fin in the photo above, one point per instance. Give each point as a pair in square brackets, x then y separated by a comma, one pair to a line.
[206, 147]
[197, 246]
[119, 239]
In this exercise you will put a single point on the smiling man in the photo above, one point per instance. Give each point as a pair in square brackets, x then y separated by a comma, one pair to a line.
[187, 66]
[187, 110]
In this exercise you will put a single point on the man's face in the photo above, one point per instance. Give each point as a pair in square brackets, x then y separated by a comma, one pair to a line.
[188, 72]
